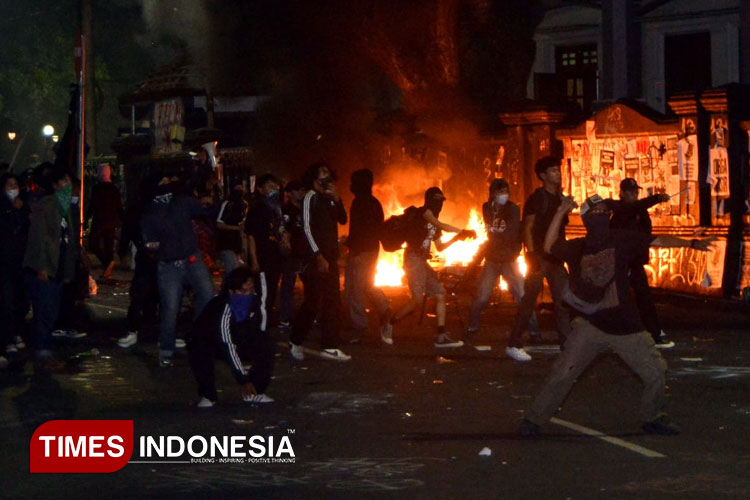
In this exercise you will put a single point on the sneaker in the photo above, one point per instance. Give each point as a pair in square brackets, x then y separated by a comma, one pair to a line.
[528, 429]
[11, 349]
[334, 355]
[179, 344]
[165, 363]
[386, 333]
[517, 353]
[444, 340]
[205, 403]
[20, 344]
[661, 426]
[662, 343]
[128, 340]
[284, 325]
[69, 334]
[296, 351]
[258, 399]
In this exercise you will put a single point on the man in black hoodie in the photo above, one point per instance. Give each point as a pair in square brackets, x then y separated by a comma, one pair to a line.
[632, 214]
[322, 211]
[366, 220]
[231, 320]
[502, 219]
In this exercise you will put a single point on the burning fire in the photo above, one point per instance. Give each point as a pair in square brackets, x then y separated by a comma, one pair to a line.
[390, 264]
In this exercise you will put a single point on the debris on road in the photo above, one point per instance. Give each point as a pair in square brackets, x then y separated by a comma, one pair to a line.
[486, 452]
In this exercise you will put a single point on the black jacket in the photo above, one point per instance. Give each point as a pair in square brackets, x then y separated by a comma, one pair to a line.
[14, 231]
[366, 220]
[320, 216]
[216, 324]
[633, 216]
[503, 225]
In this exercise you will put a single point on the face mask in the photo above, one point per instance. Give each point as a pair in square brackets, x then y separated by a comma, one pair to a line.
[163, 198]
[273, 195]
[326, 181]
[501, 199]
[63, 197]
[435, 206]
[12, 194]
[597, 225]
[241, 305]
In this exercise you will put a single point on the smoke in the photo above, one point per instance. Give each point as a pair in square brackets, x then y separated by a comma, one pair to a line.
[333, 70]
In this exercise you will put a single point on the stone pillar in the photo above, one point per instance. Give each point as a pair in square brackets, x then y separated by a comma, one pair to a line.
[532, 133]
[731, 105]
[621, 50]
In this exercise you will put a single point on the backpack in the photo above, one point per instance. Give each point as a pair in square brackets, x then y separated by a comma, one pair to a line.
[396, 229]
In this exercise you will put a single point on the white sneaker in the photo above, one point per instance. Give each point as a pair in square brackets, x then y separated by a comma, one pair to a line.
[386, 333]
[334, 355]
[11, 349]
[444, 340]
[179, 344]
[128, 340]
[296, 351]
[518, 353]
[20, 344]
[258, 399]
[205, 403]
[69, 334]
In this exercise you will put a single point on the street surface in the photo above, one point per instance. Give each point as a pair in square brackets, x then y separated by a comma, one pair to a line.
[404, 421]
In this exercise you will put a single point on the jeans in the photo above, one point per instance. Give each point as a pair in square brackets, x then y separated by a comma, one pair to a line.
[292, 267]
[556, 276]
[322, 295]
[45, 299]
[488, 281]
[359, 283]
[586, 341]
[173, 277]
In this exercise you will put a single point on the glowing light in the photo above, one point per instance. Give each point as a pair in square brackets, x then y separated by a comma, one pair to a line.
[12, 136]
[48, 131]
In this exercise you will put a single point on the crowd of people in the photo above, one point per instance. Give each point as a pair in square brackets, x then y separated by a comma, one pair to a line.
[268, 239]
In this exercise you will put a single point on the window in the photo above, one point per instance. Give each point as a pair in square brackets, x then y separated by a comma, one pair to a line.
[687, 63]
[577, 72]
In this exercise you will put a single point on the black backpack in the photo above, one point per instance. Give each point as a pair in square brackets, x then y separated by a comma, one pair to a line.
[396, 229]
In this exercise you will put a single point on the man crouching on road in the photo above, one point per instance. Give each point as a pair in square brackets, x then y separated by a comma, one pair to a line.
[608, 320]
[231, 320]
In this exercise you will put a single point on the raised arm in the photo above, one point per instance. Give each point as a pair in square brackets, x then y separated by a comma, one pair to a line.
[553, 230]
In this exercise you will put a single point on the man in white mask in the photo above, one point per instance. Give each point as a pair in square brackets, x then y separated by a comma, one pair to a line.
[502, 219]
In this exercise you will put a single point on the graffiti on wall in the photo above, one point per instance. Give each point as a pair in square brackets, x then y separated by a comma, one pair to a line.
[685, 268]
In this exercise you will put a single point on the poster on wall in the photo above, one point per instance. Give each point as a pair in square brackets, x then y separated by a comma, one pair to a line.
[718, 173]
[715, 264]
[745, 276]
[687, 158]
[606, 167]
[631, 167]
[646, 177]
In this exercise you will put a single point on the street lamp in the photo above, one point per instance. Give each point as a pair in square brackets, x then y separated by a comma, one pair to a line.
[48, 131]
[12, 136]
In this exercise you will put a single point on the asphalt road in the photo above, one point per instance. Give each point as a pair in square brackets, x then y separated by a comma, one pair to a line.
[404, 421]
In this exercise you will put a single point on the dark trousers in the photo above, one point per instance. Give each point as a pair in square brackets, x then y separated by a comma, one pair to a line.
[144, 293]
[556, 277]
[267, 285]
[255, 347]
[45, 299]
[291, 269]
[322, 295]
[102, 244]
[644, 301]
[13, 304]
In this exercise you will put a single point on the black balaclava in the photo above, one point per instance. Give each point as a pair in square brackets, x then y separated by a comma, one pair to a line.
[597, 227]
[361, 182]
[433, 199]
